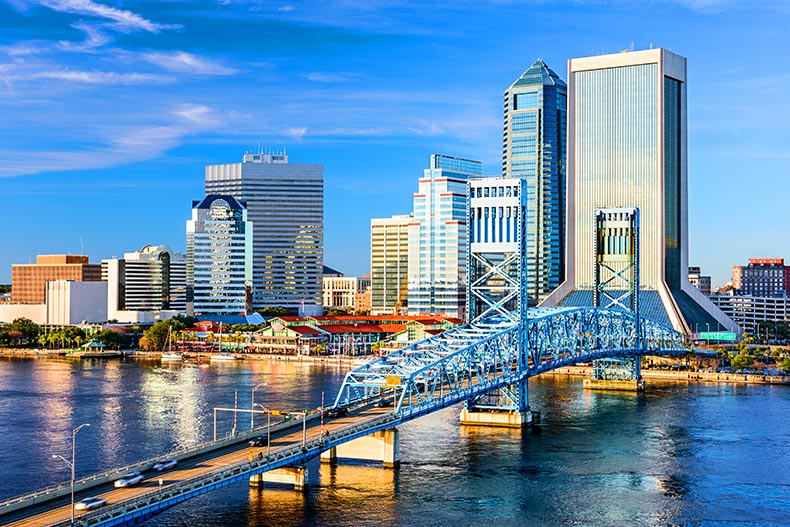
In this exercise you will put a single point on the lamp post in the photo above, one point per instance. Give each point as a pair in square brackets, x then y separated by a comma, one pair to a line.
[252, 404]
[71, 465]
[268, 427]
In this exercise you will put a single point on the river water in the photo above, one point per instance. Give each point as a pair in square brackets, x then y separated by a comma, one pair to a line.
[681, 454]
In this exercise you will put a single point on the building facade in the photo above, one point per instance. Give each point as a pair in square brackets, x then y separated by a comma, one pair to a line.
[749, 312]
[389, 264]
[700, 281]
[285, 202]
[143, 283]
[762, 277]
[437, 238]
[534, 150]
[219, 257]
[627, 148]
[29, 281]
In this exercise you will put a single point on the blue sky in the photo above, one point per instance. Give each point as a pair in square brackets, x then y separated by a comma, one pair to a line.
[110, 109]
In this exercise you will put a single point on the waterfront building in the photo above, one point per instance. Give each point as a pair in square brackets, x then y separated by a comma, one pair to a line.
[698, 280]
[285, 202]
[534, 150]
[437, 238]
[389, 263]
[219, 257]
[627, 148]
[29, 281]
[146, 285]
[762, 277]
[750, 311]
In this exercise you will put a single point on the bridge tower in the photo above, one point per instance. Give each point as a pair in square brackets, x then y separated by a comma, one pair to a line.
[496, 286]
[616, 285]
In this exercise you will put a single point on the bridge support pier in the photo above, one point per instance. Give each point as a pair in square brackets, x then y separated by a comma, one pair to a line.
[296, 476]
[497, 418]
[504, 407]
[623, 375]
[381, 446]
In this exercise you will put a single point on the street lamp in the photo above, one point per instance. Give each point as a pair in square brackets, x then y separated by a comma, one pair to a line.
[268, 427]
[252, 404]
[71, 465]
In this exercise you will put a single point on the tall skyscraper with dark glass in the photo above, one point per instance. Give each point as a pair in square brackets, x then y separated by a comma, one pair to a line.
[534, 150]
[627, 148]
[285, 203]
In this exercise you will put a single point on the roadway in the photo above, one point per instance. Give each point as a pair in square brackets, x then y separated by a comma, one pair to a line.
[59, 510]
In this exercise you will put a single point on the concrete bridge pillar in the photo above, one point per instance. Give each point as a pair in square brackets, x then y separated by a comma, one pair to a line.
[381, 446]
[296, 476]
[496, 417]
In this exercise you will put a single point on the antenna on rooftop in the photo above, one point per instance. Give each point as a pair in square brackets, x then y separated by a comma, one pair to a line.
[82, 247]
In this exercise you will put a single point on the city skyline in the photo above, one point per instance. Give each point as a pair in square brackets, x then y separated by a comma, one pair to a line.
[361, 89]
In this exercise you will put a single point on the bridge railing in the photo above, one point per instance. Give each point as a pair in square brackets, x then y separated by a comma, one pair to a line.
[92, 480]
[178, 492]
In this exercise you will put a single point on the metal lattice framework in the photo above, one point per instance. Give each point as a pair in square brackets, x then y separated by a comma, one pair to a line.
[472, 360]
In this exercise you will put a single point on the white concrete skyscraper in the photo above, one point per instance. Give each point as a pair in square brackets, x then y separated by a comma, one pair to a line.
[627, 148]
[285, 203]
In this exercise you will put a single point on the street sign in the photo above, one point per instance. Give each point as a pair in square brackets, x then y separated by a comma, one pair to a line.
[716, 335]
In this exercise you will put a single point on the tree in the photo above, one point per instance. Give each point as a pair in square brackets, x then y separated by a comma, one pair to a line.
[785, 364]
[742, 360]
[272, 311]
[24, 329]
[156, 335]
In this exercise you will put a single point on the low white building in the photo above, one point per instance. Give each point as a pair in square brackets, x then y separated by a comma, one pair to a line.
[67, 302]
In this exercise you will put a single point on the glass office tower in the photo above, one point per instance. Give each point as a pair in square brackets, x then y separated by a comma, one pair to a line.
[437, 238]
[627, 148]
[534, 150]
[285, 202]
[219, 257]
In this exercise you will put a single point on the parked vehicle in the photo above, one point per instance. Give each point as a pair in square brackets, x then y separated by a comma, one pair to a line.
[165, 464]
[129, 479]
[89, 503]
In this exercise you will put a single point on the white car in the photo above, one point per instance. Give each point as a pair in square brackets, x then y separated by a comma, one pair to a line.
[129, 479]
[165, 464]
[89, 503]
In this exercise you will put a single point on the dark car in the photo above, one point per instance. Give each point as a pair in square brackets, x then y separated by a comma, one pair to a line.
[338, 411]
[258, 441]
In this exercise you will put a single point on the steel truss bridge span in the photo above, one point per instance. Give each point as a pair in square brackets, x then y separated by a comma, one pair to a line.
[496, 352]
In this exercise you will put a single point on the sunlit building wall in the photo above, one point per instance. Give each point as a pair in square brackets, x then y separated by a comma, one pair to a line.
[219, 257]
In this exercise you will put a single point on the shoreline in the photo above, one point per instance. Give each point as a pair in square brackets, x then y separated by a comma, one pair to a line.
[568, 371]
[683, 376]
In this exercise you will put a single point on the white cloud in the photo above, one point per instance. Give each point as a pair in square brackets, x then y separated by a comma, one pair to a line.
[131, 144]
[123, 20]
[100, 77]
[94, 38]
[186, 62]
[296, 132]
[329, 78]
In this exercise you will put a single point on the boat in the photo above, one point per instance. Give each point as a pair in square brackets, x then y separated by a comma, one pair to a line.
[169, 354]
[222, 356]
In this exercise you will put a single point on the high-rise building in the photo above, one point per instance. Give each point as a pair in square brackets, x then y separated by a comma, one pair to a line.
[389, 264]
[437, 238]
[700, 281]
[219, 257]
[29, 281]
[764, 277]
[627, 148]
[534, 150]
[151, 281]
[285, 202]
